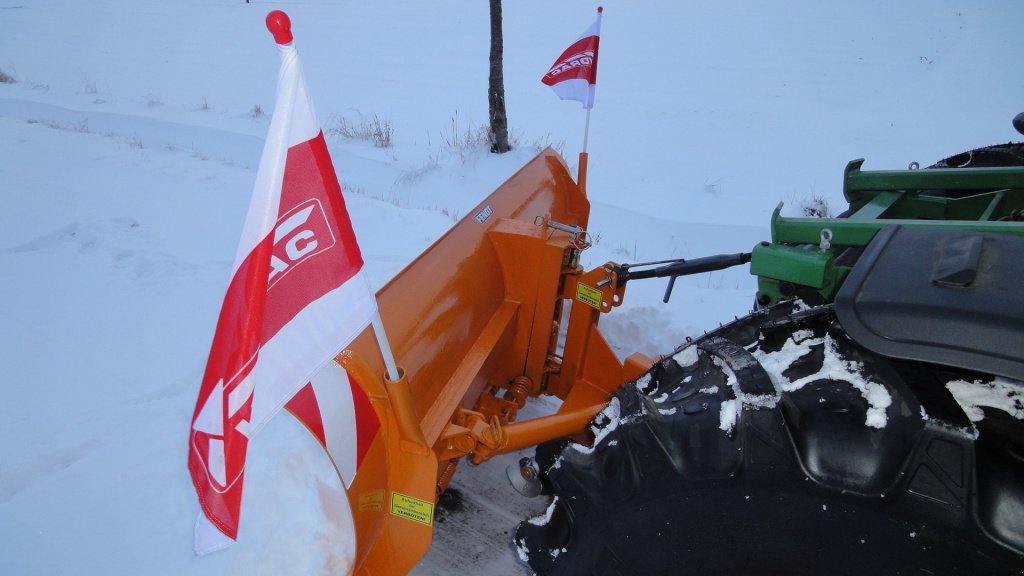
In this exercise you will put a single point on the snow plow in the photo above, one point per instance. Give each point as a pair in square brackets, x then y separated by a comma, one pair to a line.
[866, 417]
[476, 323]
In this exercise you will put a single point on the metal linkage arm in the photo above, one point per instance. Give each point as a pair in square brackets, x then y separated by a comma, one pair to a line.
[681, 267]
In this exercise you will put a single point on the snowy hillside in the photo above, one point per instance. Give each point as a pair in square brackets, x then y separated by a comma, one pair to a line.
[129, 138]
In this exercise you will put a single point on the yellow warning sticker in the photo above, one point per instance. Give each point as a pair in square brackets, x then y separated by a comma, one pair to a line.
[588, 295]
[411, 508]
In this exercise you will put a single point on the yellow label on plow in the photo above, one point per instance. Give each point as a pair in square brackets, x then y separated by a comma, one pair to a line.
[588, 295]
[412, 508]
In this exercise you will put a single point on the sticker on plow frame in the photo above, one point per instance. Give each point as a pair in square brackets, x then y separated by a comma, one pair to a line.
[484, 214]
[588, 295]
[372, 501]
[412, 508]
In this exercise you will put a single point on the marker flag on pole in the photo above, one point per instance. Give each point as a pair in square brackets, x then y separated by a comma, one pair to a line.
[297, 296]
[573, 76]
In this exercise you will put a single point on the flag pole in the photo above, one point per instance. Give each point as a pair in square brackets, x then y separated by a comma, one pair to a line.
[280, 26]
[573, 76]
[385, 347]
[581, 175]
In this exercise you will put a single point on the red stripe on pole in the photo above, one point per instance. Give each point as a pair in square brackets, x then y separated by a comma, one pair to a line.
[367, 423]
[306, 409]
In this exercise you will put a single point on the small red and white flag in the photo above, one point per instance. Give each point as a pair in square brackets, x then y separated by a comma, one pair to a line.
[573, 76]
[297, 296]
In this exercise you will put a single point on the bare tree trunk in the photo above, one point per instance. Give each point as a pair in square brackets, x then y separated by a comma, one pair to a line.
[496, 85]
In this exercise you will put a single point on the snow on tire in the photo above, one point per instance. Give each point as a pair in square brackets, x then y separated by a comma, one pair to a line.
[777, 445]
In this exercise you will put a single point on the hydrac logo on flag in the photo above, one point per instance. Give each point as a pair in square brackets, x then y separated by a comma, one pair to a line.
[299, 236]
[296, 297]
[574, 74]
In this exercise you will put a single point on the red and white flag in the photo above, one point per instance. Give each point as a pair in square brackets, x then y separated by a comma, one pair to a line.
[573, 76]
[297, 296]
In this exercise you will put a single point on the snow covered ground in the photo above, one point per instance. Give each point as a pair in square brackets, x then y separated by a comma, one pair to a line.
[129, 138]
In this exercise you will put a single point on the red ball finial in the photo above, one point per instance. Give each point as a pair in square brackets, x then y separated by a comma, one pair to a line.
[280, 26]
[600, 9]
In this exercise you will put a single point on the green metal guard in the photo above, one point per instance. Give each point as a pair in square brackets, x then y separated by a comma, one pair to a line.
[805, 255]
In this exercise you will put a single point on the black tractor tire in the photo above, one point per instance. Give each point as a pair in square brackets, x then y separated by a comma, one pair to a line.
[995, 156]
[777, 445]
[1010, 154]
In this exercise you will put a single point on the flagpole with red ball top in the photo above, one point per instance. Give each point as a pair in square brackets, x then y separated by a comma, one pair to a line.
[281, 27]
[292, 303]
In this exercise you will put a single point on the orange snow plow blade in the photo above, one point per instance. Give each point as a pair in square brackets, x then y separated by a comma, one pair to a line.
[474, 324]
